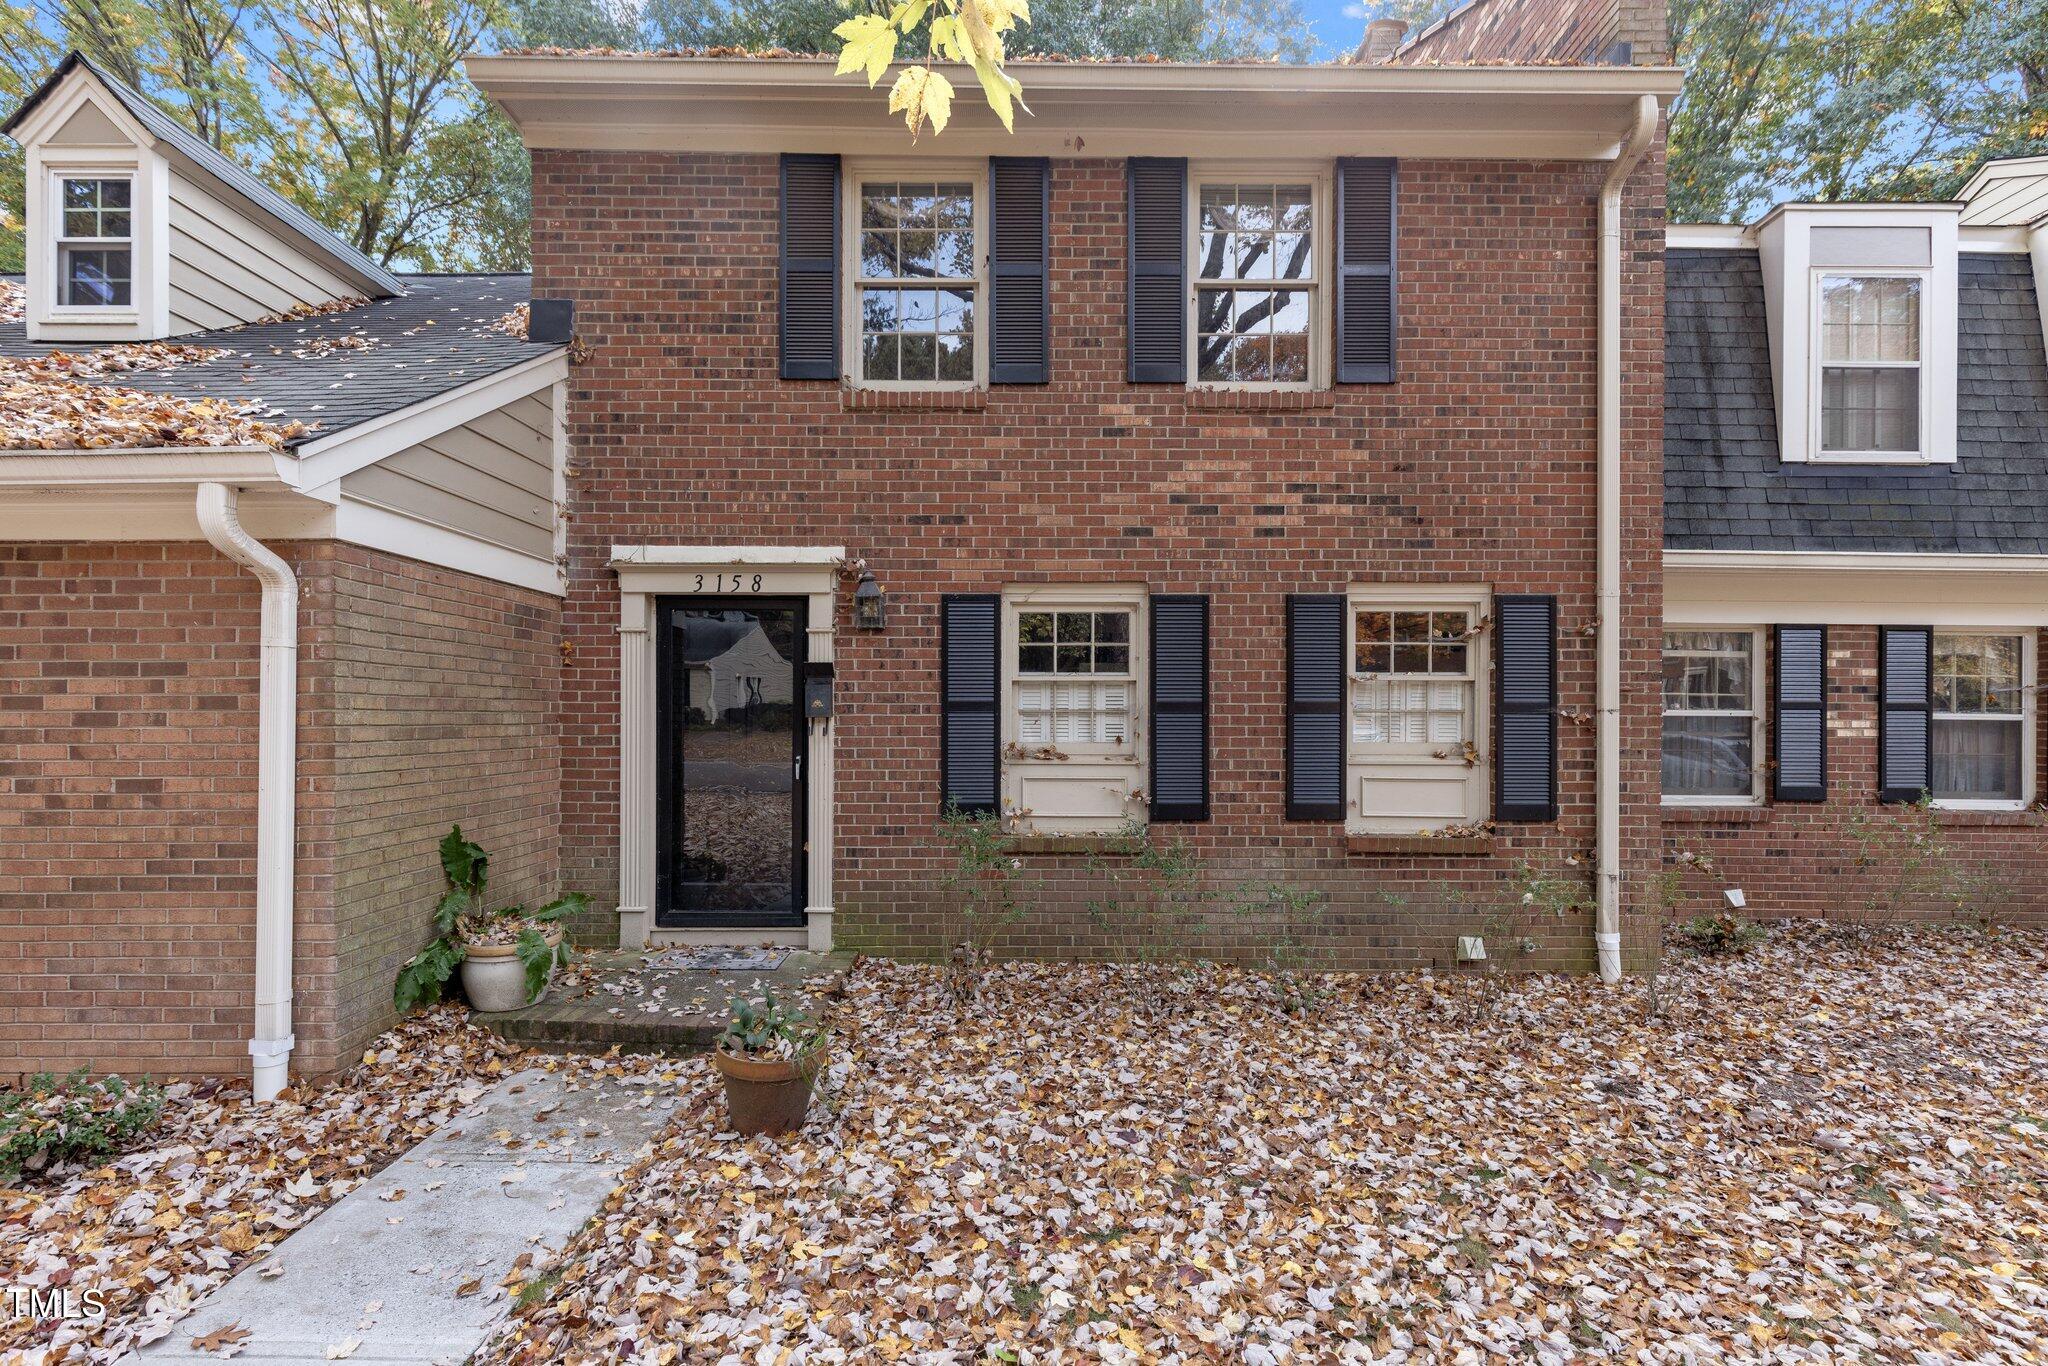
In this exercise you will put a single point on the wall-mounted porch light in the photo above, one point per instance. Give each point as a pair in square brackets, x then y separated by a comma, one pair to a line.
[868, 603]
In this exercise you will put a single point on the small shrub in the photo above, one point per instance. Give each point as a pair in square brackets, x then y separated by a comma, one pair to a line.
[1715, 936]
[982, 897]
[1156, 912]
[73, 1119]
[1912, 871]
[1296, 953]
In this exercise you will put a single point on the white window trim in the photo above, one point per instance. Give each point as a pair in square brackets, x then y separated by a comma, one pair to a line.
[854, 174]
[1759, 706]
[1819, 364]
[1411, 597]
[2029, 640]
[1322, 284]
[1115, 766]
[58, 174]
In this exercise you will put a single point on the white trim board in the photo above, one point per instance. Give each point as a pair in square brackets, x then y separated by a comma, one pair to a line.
[1854, 596]
[379, 528]
[327, 460]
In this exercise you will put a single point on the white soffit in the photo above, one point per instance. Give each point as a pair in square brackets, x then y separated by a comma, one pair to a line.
[1097, 109]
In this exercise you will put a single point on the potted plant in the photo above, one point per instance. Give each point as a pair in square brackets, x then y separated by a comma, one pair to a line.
[770, 1055]
[507, 956]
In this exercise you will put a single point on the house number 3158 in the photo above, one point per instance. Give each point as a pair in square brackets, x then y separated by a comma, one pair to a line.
[717, 583]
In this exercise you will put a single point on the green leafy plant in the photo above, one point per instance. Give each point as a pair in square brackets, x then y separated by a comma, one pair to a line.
[1715, 936]
[769, 1029]
[982, 897]
[52, 1120]
[464, 920]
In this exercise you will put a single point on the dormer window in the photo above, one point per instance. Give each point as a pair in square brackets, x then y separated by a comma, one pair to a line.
[95, 242]
[1870, 364]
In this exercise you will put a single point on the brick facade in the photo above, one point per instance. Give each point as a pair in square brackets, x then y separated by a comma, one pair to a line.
[1477, 466]
[1804, 859]
[128, 722]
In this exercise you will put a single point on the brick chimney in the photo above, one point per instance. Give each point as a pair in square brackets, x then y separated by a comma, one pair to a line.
[1645, 25]
[1382, 37]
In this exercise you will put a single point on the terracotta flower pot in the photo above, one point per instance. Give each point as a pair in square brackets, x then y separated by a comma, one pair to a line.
[769, 1095]
[495, 980]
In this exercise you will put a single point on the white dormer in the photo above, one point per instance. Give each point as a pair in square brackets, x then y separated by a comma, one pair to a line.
[1862, 307]
[137, 230]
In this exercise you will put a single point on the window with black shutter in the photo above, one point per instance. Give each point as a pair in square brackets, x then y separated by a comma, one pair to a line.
[1799, 741]
[969, 732]
[1020, 302]
[1905, 687]
[1525, 669]
[809, 267]
[1366, 326]
[1180, 707]
[1315, 706]
[1157, 266]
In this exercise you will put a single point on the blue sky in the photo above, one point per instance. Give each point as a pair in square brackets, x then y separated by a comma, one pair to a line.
[1338, 25]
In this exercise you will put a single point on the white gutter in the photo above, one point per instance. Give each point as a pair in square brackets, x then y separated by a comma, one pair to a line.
[1607, 795]
[270, 1046]
[2037, 247]
[128, 466]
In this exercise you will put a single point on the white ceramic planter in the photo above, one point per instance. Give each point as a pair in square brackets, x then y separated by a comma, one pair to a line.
[495, 980]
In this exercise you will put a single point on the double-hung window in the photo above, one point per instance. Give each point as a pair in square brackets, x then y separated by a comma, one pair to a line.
[1979, 721]
[1257, 271]
[1711, 712]
[1415, 714]
[1074, 678]
[1870, 331]
[95, 242]
[918, 282]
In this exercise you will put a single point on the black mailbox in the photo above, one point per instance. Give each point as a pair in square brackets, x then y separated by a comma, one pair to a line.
[818, 689]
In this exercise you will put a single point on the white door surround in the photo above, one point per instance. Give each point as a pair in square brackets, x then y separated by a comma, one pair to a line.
[648, 572]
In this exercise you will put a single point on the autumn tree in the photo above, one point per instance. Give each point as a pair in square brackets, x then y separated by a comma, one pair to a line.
[190, 56]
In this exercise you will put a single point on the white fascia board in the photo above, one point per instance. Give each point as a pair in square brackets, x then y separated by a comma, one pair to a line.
[1878, 561]
[1723, 236]
[1763, 588]
[326, 460]
[1991, 240]
[395, 533]
[667, 556]
[139, 466]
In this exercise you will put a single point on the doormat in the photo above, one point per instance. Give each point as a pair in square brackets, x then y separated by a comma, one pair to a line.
[719, 959]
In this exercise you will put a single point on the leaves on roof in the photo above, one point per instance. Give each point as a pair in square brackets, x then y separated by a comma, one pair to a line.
[513, 324]
[13, 301]
[50, 403]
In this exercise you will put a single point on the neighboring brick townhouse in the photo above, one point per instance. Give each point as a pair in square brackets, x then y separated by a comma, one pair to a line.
[1856, 533]
[1239, 451]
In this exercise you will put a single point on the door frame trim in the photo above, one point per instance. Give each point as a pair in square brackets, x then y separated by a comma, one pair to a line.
[649, 572]
[666, 766]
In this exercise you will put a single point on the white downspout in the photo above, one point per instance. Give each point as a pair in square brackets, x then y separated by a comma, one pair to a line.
[270, 1044]
[2037, 251]
[1607, 794]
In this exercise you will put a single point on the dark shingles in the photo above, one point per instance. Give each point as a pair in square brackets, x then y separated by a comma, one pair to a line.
[1726, 489]
[435, 337]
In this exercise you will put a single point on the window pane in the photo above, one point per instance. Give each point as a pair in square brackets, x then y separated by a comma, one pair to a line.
[956, 357]
[81, 194]
[1075, 626]
[1034, 627]
[878, 255]
[919, 356]
[1034, 659]
[1977, 760]
[1397, 712]
[1870, 410]
[1707, 671]
[1707, 756]
[95, 279]
[1870, 318]
[1977, 675]
[114, 194]
[878, 357]
[1255, 232]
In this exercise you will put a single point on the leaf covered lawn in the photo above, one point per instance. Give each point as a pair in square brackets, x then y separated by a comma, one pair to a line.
[1820, 1151]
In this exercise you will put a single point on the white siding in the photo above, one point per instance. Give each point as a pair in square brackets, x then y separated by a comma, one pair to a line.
[226, 269]
[491, 478]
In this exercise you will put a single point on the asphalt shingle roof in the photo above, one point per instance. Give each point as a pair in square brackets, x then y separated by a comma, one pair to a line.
[1726, 489]
[435, 337]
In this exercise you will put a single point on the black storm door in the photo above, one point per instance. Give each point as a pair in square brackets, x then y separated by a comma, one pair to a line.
[729, 777]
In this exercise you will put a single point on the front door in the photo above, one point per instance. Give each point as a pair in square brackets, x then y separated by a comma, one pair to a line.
[729, 778]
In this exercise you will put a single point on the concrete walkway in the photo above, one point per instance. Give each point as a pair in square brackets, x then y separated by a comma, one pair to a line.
[407, 1266]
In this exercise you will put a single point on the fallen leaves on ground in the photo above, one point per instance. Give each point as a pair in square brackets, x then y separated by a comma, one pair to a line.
[224, 1180]
[1818, 1151]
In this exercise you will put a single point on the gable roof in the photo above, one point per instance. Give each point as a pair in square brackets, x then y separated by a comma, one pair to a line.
[1726, 489]
[1515, 30]
[161, 126]
[442, 333]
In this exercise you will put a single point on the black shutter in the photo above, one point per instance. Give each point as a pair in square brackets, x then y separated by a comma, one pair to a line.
[1525, 678]
[1158, 269]
[1365, 270]
[810, 267]
[1315, 707]
[1020, 293]
[1799, 709]
[968, 733]
[1180, 707]
[1905, 712]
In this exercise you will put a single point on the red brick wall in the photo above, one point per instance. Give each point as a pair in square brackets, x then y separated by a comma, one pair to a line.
[128, 724]
[1804, 860]
[1478, 465]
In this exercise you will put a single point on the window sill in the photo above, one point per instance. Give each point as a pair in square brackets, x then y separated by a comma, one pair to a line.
[1261, 400]
[1715, 815]
[1109, 846]
[1950, 817]
[1441, 846]
[856, 400]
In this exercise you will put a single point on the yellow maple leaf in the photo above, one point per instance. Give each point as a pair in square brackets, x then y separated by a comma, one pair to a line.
[869, 43]
[920, 95]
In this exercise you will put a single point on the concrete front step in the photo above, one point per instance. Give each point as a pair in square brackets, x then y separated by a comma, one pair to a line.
[616, 1000]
